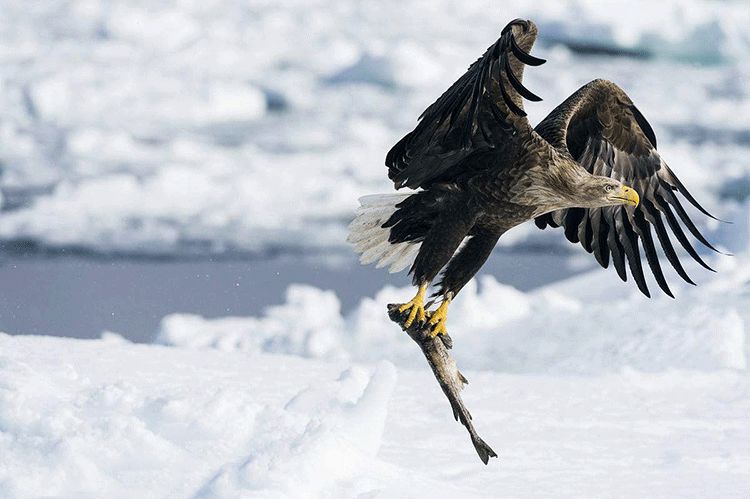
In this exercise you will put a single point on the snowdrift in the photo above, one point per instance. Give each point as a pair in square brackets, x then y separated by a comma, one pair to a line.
[105, 418]
[590, 324]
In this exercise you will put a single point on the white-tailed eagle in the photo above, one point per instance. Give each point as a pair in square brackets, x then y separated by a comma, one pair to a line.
[479, 169]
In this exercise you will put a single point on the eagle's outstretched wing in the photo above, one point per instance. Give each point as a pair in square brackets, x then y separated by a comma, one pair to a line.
[479, 112]
[601, 129]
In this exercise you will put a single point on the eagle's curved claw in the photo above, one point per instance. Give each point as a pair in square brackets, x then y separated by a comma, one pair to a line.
[415, 306]
[438, 319]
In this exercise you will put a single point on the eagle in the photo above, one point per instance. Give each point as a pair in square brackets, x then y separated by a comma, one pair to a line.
[475, 168]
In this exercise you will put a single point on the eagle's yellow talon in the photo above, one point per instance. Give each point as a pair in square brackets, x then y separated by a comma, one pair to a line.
[439, 329]
[438, 319]
[416, 307]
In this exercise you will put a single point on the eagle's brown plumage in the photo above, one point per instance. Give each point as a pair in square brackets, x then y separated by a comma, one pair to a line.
[481, 169]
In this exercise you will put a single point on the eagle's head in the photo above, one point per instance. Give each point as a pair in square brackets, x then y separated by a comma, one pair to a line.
[600, 191]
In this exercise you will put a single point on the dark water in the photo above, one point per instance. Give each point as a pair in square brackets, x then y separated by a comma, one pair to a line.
[82, 297]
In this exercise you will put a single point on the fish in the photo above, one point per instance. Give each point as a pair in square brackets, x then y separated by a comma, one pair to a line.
[437, 352]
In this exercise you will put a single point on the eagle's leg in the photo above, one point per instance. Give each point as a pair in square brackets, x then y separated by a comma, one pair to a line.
[441, 242]
[459, 271]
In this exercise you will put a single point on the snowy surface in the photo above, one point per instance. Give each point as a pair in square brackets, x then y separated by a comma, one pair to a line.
[135, 127]
[584, 388]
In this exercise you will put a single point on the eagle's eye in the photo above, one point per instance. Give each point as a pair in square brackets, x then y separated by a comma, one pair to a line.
[608, 188]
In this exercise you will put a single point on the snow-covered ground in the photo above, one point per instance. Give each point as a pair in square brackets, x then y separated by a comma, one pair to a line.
[584, 389]
[228, 126]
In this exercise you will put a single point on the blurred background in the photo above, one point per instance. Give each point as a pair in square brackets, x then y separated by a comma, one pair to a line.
[200, 156]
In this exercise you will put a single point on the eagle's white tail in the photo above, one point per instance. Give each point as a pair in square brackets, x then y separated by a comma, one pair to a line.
[370, 239]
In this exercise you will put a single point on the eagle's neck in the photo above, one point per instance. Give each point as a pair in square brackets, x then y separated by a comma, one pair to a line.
[555, 186]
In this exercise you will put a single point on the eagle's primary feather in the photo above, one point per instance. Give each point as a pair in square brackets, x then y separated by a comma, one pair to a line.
[478, 168]
[600, 127]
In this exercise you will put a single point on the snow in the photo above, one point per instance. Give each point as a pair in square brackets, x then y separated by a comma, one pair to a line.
[104, 418]
[130, 127]
[111, 418]
[584, 387]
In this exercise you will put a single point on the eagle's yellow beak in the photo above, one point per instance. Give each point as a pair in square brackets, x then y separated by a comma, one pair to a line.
[628, 195]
